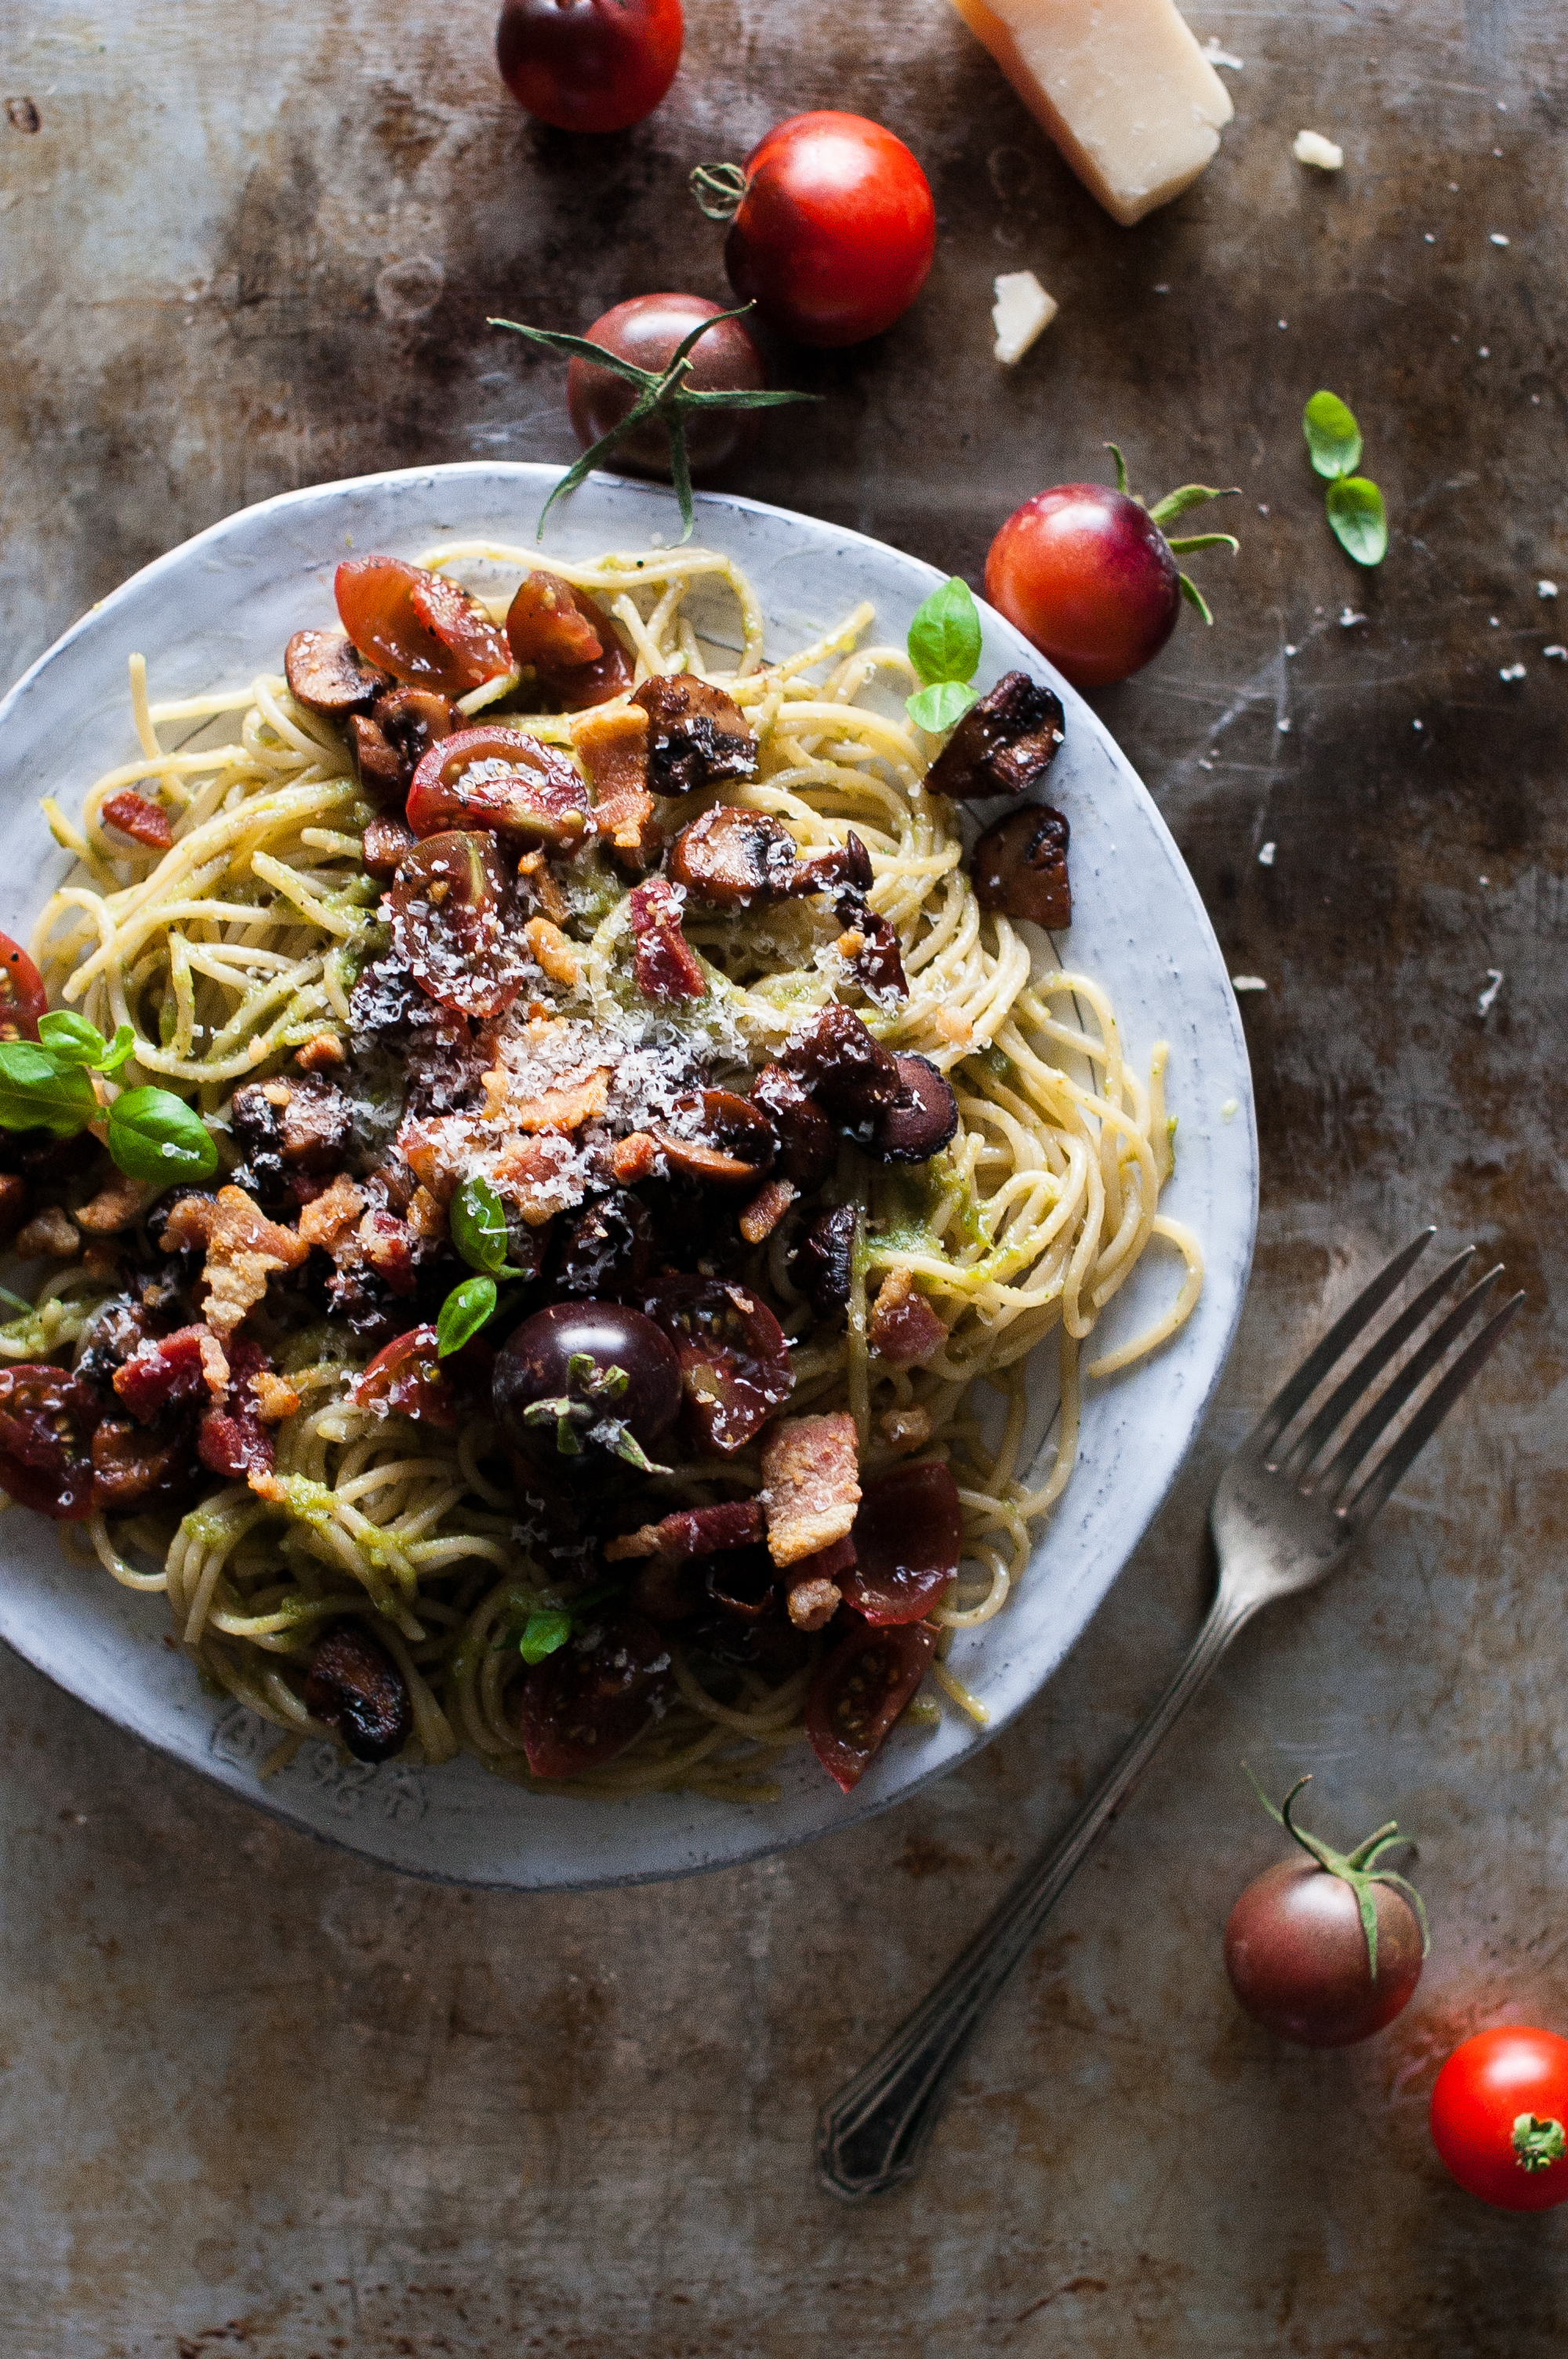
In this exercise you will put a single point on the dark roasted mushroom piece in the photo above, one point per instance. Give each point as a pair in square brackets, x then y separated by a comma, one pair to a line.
[922, 1118]
[716, 1137]
[356, 1688]
[820, 1265]
[390, 743]
[846, 869]
[730, 858]
[327, 673]
[870, 945]
[607, 1249]
[852, 1075]
[1003, 744]
[1020, 866]
[299, 1125]
[806, 1146]
[697, 737]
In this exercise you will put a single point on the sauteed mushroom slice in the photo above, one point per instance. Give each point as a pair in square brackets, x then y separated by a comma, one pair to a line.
[730, 858]
[822, 1260]
[393, 739]
[697, 737]
[718, 1138]
[922, 1119]
[327, 673]
[806, 1148]
[853, 1076]
[356, 1688]
[1020, 866]
[1003, 744]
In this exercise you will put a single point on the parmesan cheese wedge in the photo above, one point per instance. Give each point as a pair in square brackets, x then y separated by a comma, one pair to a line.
[1022, 310]
[1120, 85]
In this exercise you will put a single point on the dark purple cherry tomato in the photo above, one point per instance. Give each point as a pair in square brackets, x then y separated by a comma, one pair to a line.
[499, 778]
[47, 1423]
[588, 1700]
[646, 332]
[589, 65]
[593, 1375]
[23, 998]
[734, 1360]
[424, 629]
[836, 233]
[859, 1691]
[1087, 576]
[908, 1536]
[446, 924]
[1297, 1956]
[568, 639]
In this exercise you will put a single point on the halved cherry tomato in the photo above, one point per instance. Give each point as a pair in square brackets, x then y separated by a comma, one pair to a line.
[23, 998]
[588, 1700]
[47, 1419]
[418, 626]
[1499, 2117]
[908, 1536]
[735, 1367]
[568, 639]
[405, 1375]
[500, 779]
[446, 924]
[859, 1691]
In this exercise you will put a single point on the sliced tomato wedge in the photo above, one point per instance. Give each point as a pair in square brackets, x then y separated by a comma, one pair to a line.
[569, 640]
[23, 998]
[734, 1360]
[908, 1536]
[47, 1419]
[406, 1375]
[499, 778]
[424, 629]
[446, 924]
[859, 1691]
[588, 1700]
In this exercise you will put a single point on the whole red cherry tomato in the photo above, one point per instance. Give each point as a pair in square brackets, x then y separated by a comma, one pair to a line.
[647, 332]
[1088, 576]
[589, 65]
[835, 229]
[1499, 2117]
[22, 996]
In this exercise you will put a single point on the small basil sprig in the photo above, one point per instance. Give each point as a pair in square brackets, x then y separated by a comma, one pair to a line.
[477, 1223]
[74, 1042]
[945, 648]
[1353, 504]
[39, 1090]
[548, 1627]
[153, 1135]
[466, 1309]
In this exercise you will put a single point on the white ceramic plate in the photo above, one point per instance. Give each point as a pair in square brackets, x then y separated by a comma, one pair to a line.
[218, 610]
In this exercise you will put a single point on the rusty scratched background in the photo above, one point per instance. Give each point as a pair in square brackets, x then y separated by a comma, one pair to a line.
[255, 2097]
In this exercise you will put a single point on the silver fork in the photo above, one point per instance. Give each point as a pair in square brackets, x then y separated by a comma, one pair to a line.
[1281, 1521]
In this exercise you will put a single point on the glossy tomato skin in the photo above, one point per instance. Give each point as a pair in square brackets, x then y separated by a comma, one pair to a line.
[1296, 1956]
[836, 233]
[1486, 2085]
[647, 332]
[908, 1535]
[23, 998]
[1089, 579]
[589, 65]
[859, 1691]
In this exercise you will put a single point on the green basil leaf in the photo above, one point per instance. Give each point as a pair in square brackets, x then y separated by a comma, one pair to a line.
[1332, 437]
[941, 706]
[1356, 515]
[546, 1632]
[945, 636]
[153, 1135]
[466, 1309]
[70, 1038]
[39, 1092]
[479, 1226]
[122, 1046]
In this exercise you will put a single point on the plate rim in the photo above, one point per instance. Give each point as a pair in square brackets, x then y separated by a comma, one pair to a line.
[858, 1809]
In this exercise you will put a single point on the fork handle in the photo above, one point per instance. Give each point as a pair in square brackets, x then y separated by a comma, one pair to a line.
[875, 2131]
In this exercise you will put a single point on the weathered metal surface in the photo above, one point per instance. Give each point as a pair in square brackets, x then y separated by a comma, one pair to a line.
[257, 2095]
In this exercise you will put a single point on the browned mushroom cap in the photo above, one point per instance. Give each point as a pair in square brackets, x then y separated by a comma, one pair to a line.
[820, 1265]
[846, 869]
[1003, 744]
[1020, 866]
[871, 947]
[697, 737]
[853, 1075]
[356, 1688]
[924, 1118]
[730, 858]
[806, 1146]
[718, 1138]
[389, 744]
[327, 673]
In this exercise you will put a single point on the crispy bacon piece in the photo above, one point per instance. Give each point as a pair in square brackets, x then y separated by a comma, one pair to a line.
[138, 817]
[565, 1108]
[903, 1328]
[276, 1397]
[191, 1364]
[242, 1247]
[231, 1441]
[613, 749]
[329, 1220]
[697, 737]
[388, 1246]
[812, 1485]
[813, 1600]
[321, 1055]
[537, 1175]
[634, 1157]
[114, 1208]
[664, 964]
[49, 1232]
[554, 954]
[696, 1531]
[1003, 745]
[767, 1207]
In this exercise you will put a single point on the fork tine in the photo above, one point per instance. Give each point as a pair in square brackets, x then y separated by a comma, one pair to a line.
[1375, 1357]
[1317, 1364]
[1352, 1452]
[1374, 1491]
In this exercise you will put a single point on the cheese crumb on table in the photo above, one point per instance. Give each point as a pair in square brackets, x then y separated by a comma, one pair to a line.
[1120, 85]
[1311, 147]
[1022, 310]
[1248, 983]
[1546, 589]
